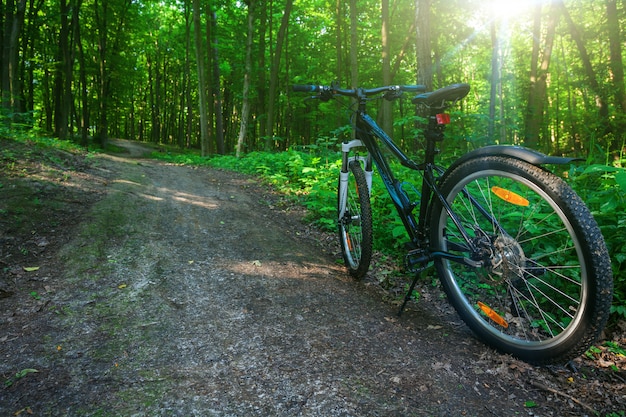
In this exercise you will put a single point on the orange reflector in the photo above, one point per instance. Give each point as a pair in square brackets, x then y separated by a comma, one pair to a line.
[493, 315]
[510, 196]
[349, 242]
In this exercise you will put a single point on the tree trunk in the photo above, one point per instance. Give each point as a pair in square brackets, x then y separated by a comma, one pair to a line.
[186, 78]
[84, 91]
[245, 107]
[601, 99]
[65, 70]
[617, 66]
[535, 109]
[271, 108]
[338, 44]
[103, 93]
[217, 91]
[152, 99]
[29, 52]
[339, 11]
[11, 88]
[424, 48]
[530, 113]
[204, 127]
[385, 119]
[354, 31]
[495, 81]
[262, 73]
[354, 61]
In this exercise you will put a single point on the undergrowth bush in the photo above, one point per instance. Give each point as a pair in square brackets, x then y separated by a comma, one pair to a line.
[603, 188]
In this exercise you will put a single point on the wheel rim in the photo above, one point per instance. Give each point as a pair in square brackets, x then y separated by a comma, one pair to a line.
[533, 290]
[350, 226]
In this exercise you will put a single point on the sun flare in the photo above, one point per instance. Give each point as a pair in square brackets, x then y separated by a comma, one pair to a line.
[506, 9]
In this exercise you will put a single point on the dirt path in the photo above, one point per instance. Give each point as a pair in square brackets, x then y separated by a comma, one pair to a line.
[194, 292]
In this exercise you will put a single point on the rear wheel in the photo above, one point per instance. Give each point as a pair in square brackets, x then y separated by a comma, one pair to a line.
[355, 221]
[544, 287]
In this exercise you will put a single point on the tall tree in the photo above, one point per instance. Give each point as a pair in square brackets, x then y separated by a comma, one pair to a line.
[204, 123]
[14, 13]
[539, 78]
[69, 13]
[339, 12]
[187, 78]
[616, 62]
[216, 87]
[261, 83]
[274, 73]
[495, 78]
[590, 74]
[354, 41]
[245, 106]
[354, 61]
[101, 8]
[387, 122]
[110, 18]
[83, 87]
[423, 43]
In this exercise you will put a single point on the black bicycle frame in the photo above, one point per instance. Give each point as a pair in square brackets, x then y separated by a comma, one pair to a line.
[367, 132]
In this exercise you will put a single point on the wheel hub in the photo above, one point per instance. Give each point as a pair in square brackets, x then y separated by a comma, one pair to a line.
[502, 256]
[509, 259]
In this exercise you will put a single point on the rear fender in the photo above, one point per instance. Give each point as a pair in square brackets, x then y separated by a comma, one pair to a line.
[517, 152]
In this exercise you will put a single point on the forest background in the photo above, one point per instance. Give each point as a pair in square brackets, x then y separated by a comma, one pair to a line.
[213, 78]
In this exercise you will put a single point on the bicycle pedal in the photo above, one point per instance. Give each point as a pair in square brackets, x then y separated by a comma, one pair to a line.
[416, 260]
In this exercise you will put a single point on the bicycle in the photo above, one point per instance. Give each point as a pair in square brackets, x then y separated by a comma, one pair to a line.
[519, 255]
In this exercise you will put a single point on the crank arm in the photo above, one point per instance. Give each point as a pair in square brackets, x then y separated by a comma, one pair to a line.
[457, 258]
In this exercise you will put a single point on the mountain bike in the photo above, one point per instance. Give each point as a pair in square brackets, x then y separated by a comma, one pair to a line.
[519, 255]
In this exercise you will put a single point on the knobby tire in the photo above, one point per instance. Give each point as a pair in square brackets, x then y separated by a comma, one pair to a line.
[544, 290]
[355, 226]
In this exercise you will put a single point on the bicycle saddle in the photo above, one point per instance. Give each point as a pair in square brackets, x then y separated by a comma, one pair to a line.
[442, 97]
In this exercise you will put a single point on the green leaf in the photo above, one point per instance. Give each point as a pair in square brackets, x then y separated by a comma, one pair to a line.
[600, 168]
[620, 179]
[530, 404]
[19, 375]
[24, 372]
[398, 231]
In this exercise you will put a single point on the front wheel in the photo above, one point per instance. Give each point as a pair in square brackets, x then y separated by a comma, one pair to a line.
[355, 220]
[543, 289]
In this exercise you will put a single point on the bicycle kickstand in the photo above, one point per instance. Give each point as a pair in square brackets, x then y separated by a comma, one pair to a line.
[411, 288]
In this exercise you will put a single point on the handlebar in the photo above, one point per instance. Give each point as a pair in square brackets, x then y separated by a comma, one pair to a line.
[327, 92]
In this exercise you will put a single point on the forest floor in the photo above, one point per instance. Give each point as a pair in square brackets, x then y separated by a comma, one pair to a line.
[133, 287]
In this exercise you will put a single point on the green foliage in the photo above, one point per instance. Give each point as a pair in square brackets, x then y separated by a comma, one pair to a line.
[43, 142]
[603, 188]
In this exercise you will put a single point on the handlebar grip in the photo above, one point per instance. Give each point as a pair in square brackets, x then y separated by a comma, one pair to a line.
[414, 88]
[302, 88]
